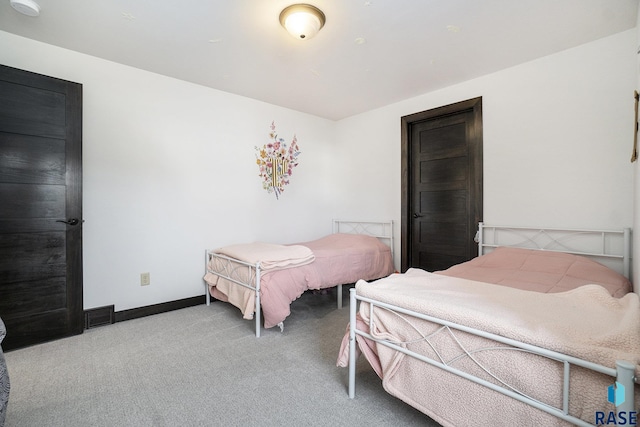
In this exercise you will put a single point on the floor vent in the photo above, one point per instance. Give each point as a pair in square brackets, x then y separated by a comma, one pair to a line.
[99, 316]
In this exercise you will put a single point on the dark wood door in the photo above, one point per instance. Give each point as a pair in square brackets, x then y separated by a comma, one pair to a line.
[40, 207]
[442, 191]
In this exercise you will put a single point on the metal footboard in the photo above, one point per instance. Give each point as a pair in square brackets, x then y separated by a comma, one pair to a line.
[624, 373]
[239, 272]
[246, 275]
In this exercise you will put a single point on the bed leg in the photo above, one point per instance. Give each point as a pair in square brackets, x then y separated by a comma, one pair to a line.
[258, 310]
[206, 285]
[626, 374]
[257, 314]
[339, 296]
[352, 343]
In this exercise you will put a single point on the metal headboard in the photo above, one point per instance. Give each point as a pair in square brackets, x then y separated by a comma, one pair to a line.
[382, 230]
[610, 247]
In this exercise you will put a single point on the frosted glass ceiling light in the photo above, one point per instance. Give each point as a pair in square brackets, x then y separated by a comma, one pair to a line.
[26, 7]
[302, 21]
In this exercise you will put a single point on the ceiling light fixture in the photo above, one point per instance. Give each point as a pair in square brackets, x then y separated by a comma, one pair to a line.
[302, 21]
[26, 7]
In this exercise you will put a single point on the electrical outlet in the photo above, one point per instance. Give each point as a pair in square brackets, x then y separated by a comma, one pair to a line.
[145, 279]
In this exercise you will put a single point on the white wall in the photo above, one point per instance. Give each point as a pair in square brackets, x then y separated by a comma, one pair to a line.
[169, 166]
[557, 140]
[636, 191]
[169, 170]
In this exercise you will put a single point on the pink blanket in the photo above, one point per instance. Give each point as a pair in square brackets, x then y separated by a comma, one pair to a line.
[585, 322]
[540, 271]
[338, 259]
[269, 255]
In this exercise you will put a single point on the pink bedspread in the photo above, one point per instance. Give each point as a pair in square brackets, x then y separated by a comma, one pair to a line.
[585, 322]
[539, 271]
[338, 259]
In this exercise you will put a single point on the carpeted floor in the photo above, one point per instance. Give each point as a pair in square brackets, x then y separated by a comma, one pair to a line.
[202, 366]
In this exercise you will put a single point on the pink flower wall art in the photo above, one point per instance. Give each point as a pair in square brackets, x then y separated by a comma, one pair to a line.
[276, 162]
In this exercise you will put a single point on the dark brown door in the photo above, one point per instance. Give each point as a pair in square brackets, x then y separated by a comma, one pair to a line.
[442, 190]
[40, 207]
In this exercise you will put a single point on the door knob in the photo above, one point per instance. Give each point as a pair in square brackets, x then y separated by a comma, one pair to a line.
[417, 215]
[72, 221]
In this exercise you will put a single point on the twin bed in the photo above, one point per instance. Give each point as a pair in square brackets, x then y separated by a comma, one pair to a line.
[514, 337]
[263, 279]
[542, 329]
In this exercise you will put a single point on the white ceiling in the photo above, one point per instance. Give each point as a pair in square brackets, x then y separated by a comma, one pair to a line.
[410, 47]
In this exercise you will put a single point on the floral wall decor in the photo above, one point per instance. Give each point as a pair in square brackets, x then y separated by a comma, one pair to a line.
[276, 162]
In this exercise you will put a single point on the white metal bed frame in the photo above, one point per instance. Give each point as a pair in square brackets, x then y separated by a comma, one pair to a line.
[609, 247]
[248, 275]
[609, 244]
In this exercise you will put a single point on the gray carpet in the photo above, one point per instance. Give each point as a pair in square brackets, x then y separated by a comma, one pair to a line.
[202, 366]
